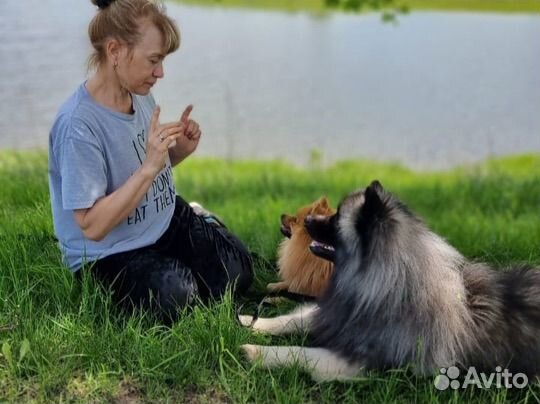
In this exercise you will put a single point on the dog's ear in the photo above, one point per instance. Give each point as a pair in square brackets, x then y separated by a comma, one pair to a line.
[323, 202]
[376, 186]
[288, 220]
[373, 198]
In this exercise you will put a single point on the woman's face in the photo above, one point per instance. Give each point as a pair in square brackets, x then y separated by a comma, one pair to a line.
[139, 69]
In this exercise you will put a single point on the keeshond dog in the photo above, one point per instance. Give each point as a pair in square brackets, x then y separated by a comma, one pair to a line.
[401, 296]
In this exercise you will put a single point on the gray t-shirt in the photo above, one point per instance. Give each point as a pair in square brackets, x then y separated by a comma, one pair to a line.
[92, 152]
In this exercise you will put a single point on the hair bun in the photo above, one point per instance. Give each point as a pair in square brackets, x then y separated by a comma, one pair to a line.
[102, 4]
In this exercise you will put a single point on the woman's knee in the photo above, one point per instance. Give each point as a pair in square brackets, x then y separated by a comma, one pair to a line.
[173, 288]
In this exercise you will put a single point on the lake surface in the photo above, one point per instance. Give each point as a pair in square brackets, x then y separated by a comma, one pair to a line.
[433, 91]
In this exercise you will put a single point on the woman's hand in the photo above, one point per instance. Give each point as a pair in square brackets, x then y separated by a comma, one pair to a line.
[186, 145]
[160, 139]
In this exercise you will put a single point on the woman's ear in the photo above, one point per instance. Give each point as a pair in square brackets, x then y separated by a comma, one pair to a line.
[114, 49]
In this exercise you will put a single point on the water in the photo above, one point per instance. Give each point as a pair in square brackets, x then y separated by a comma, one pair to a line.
[438, 89]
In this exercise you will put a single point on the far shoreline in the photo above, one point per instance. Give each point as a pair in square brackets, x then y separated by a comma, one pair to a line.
[319, 6]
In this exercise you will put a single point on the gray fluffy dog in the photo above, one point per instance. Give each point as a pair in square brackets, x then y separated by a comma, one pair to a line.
[401, 296]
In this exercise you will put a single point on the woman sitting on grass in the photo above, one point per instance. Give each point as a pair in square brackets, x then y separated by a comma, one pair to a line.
[114, 203]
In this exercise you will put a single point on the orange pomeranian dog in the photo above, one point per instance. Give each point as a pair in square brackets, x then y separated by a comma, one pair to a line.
[301, 271]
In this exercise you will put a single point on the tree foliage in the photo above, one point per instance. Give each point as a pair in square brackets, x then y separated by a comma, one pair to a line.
[389, 9]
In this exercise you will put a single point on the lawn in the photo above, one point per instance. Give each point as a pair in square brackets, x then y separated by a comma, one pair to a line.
[61, 341]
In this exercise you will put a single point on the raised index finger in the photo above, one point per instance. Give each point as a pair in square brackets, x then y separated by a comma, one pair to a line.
[155, 119]
[185, 114]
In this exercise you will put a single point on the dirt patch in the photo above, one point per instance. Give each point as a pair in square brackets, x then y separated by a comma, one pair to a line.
[210, 395]
[128, 393]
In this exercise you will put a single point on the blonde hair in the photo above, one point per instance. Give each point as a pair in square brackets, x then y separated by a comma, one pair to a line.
[120, 19]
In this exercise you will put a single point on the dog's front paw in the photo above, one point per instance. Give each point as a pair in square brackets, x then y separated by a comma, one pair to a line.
[245, 320]
[276, 287]
[250, 351]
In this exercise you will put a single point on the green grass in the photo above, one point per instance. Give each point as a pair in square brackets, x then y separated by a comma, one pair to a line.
[61, 341]
[319, 6]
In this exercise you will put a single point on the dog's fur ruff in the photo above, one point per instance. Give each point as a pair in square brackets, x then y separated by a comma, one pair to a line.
[402, 296]
[300, 271]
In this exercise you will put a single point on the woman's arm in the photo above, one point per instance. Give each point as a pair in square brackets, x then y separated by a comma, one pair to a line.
[107, 212]
[96, 222]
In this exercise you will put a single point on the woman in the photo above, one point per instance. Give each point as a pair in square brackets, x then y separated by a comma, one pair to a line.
[113, 198]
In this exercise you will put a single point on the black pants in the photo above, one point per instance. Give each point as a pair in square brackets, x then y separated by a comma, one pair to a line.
[192, 259]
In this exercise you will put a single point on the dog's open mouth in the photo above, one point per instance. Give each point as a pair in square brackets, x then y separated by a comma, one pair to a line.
[322, 250]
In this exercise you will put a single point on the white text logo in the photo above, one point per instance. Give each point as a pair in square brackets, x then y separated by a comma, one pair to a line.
[500, 379]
